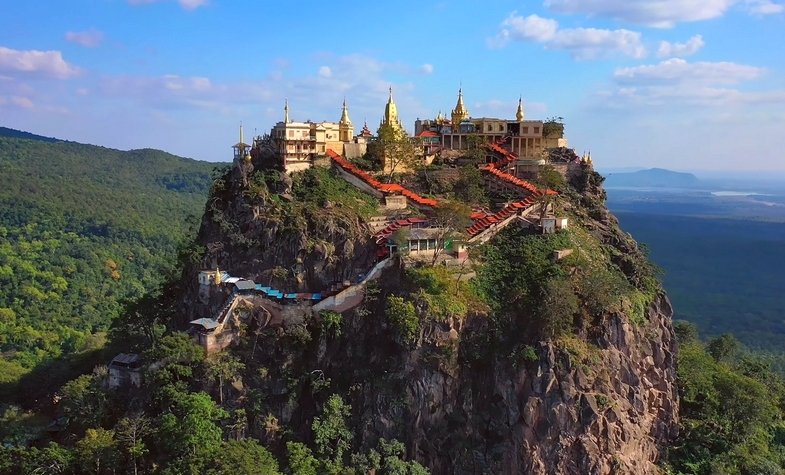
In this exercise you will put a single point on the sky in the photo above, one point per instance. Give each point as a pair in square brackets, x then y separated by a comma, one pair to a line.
[680, 84]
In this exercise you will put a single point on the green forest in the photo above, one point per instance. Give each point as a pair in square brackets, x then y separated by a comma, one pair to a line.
[84, 229]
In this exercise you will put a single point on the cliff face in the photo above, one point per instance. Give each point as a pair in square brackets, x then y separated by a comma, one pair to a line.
[598, 400]
[563, 413]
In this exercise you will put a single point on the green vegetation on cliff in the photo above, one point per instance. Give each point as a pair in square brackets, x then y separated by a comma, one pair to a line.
[732, 409]
[83, 229]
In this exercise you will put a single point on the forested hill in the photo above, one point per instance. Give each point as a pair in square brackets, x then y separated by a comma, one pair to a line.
[19, 134]
[83, 228]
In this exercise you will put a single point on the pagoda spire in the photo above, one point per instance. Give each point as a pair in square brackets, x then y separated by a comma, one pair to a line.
[519, 115]
[460, 113]
[345, 127]
[345, 114]
[391, 114]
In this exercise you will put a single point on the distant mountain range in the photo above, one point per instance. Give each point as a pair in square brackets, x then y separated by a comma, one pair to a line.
[653, 177]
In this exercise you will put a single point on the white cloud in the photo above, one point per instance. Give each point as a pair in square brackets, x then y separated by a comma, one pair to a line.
[581, 43]
[764, 7]
[531, 28]
[678, 83]
[680, 50]
[186, 4]
[16, 101]
[169, 92]
[325, 72]
[655, 13]
[426, 68]
[88, 39]
[34, 62]
[677, 70]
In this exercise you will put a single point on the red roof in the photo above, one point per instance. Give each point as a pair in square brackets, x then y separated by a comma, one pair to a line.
[427, 133]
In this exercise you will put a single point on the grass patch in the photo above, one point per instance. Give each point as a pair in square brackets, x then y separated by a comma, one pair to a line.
[322, 187]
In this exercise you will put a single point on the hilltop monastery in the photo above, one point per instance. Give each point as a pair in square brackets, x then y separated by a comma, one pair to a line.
[299, 143]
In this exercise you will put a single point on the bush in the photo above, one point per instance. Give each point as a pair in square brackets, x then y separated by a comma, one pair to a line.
[402, 316]
[332, 323]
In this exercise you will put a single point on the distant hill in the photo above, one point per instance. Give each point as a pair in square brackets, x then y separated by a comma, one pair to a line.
[653, 177]
[18, 134]
[83, 228]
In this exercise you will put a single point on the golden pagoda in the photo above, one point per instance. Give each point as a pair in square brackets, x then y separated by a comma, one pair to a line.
[460, 113]
[519, 115]
[391, 115]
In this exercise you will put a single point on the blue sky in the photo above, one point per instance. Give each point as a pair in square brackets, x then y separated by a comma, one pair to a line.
[682, 84]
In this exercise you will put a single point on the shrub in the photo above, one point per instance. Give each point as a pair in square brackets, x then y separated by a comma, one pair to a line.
[401, 315]
[332, 323]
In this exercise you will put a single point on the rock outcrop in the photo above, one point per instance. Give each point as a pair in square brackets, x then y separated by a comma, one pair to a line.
[599, 401]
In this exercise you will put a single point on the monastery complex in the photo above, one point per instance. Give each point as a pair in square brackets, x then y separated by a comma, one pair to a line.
[511, 152]
[300, 143]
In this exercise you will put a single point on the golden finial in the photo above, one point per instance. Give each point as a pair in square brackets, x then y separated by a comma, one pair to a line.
[217, 276]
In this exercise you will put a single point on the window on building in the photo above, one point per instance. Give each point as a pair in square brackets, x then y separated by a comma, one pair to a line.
[291, 133]
[431, 243]
[536, 130]
[490, 127]
[501, 127]
[525, 130]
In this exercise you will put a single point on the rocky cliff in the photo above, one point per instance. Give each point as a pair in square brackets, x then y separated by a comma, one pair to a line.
[469, 391]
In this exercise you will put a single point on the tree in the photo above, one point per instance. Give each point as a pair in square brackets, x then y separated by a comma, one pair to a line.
[331, 323]
[190, 429]
[129, 432]
[244, 457]
[450, 219]
[301, 459]
[475, 149]
[470, 187]
[50, 460]
[239, 424]
[401, 239]
[393, 149]
[331, 433]
[392, 460]
[402, 316]
[558, 306]
[84, 401]
[723, 348]
[686, 332]
[97, 450]
[222, 367]
[175, 357]
[387, 459]
[548, 177]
